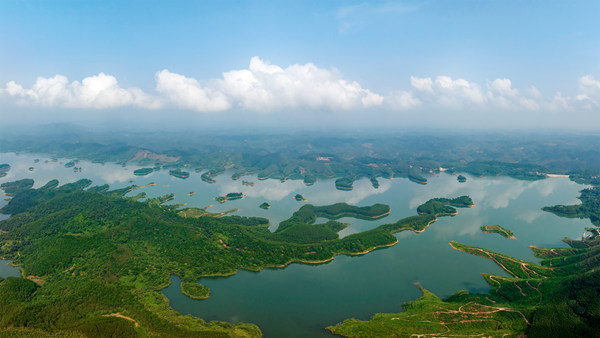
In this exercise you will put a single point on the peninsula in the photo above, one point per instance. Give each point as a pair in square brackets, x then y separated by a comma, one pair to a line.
[118, 261]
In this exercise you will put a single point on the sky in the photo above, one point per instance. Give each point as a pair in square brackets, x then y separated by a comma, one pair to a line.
[302, 64]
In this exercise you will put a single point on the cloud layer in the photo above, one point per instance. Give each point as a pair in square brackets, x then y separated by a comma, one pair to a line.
[264, 87]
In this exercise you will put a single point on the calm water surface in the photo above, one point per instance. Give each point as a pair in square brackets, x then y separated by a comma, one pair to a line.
[301, 299]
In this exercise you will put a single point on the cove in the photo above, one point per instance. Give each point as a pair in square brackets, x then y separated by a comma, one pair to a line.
[301, 299]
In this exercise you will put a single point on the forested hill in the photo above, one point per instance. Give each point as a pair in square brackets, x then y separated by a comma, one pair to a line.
[559, 297]
[95, 260]
[310, 156]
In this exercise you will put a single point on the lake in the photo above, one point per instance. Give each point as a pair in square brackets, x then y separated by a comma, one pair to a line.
[301, 299]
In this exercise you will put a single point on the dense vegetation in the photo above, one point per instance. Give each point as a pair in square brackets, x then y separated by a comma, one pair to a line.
[444, 205]
[4, 168]
[299, 198]
[461, 178]
[560, 297]
[229, 197]
[589, 207]
[95, 261]
[310, 157]
[179, 173]
[265, 205]
[497, 229]
[143, 171]
[344, 183]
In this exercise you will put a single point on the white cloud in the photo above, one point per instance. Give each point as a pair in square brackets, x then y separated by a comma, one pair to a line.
[422, 84]
[187, 93]
[98, 92]
[266, 87]
[456, 93]
[403, 100]
[504, 87]
[590, 91]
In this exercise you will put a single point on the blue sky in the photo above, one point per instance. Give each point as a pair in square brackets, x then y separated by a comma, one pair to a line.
[485, 61]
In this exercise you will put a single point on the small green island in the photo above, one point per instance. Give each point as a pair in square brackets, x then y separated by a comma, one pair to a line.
[206, 177]
[179, 173]
[344, 183]
[143, 171]
[4, 168]
[461, 179]
[265, 206]
[300, 198]
[248, 183]
[70, 164]
[497, 229]
[309, 180]
[229, 197]
[374, 182]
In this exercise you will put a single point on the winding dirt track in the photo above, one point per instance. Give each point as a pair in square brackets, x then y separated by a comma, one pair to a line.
[135, 323]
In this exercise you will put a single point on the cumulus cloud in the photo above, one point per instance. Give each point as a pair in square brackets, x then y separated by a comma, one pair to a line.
[264, 86]
[261, 87]
[422, 84]
[589, 91]
[448, 92]
[187, 93]
[403, 100]
[99, 92]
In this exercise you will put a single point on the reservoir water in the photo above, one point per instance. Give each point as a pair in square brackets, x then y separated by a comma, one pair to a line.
[301, 299]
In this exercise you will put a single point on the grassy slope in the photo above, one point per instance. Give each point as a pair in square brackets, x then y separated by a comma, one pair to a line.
[560, 297]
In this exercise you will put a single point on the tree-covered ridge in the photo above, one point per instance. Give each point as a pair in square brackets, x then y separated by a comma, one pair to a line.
[310, 157]
[444, 205]
[100, 259]
[589, 207]
[560, 297]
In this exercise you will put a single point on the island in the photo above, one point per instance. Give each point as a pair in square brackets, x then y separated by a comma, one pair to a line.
[70, 164]
[248, 183]
[31, 168]
[555, 298]
[143, 171]
[497, 229]
[344, 183]
[265, 206]
[4, 168]
[191, 193]
[309, 180]
[299, 198]
[461, 179]
[179, 173]
[104, 263]
[229, 197]
[206, 177]
[374, 182]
